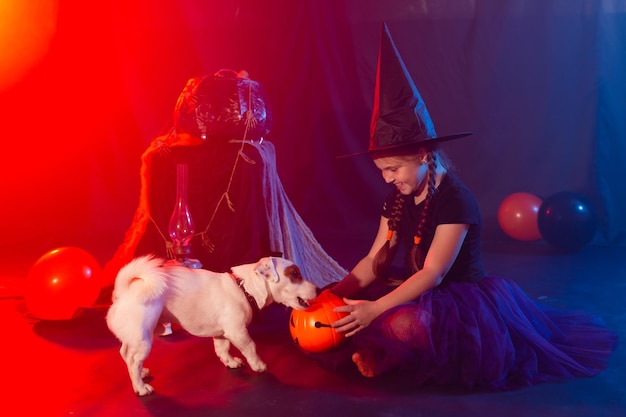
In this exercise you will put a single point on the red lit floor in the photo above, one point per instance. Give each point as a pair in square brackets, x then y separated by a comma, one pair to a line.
[72, 368]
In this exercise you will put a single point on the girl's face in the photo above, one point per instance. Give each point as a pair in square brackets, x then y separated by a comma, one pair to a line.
[406, 173]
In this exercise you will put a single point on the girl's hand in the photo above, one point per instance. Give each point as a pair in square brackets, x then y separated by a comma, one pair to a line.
[361, 314]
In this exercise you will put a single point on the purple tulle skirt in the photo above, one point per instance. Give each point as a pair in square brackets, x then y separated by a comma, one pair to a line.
[483, 335]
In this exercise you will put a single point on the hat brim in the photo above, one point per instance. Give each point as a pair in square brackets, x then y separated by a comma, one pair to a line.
[404, 146]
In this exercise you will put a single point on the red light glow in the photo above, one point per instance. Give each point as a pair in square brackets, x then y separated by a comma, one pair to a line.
[26, 29]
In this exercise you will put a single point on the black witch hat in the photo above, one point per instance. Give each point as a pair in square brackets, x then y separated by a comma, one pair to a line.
[400, 118]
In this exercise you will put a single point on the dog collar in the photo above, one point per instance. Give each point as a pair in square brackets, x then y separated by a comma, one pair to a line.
[251, 300]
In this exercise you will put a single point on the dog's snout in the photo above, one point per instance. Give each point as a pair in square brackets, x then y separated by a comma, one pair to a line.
[303, 303]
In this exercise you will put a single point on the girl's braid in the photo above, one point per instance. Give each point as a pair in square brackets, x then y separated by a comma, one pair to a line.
[385, 254]
[417, 255]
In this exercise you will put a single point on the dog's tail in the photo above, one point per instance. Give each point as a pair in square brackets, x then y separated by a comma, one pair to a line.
[144, 276]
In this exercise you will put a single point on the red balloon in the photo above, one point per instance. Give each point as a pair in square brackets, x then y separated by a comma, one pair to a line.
[517, 216]
[310, 329]
[61, 282]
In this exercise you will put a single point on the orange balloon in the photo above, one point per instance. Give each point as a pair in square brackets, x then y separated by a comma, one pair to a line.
[310, 329]
[61, 282]
[517, 216]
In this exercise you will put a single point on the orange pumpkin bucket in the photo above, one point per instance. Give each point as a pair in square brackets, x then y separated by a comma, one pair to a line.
[311, 328]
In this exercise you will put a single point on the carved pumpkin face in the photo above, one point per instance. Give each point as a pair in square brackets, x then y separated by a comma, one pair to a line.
[310, 329]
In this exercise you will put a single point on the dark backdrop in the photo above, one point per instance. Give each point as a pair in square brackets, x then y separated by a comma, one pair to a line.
[539, 82]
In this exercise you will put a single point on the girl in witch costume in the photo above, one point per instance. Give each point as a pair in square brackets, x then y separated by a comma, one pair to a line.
[444, 317]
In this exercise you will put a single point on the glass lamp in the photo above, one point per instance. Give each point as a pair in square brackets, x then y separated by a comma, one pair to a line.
[181, 227]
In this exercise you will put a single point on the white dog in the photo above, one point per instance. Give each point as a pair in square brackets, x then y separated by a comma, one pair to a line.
[204, 303]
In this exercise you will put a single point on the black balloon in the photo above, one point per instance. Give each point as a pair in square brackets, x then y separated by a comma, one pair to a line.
[567, 221]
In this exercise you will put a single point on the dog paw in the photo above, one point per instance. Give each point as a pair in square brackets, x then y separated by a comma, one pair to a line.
[233, 363]
[146, 389]
[258, 366]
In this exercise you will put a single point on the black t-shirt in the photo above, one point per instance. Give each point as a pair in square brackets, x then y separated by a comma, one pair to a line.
[452, 203]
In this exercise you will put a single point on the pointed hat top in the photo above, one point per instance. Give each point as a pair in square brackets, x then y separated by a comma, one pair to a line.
[399, 117]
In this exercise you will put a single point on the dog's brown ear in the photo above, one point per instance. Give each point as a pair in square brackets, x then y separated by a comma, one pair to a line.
[266, 269]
